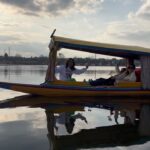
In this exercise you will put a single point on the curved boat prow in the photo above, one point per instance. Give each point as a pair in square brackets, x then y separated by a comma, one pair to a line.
[5, 85]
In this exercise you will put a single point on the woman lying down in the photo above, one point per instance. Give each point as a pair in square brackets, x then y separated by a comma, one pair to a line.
[125, 75]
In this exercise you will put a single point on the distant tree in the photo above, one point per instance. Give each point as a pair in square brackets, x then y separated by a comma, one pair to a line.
[18, 55]
[6, 55]
[41, 56]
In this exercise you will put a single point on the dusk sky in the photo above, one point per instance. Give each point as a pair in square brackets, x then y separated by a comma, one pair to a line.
[25, 25]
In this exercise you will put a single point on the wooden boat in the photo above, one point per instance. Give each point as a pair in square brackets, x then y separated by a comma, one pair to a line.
[66, 88]
[54, 89]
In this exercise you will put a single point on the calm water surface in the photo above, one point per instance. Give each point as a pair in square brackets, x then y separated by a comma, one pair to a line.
[28, 126]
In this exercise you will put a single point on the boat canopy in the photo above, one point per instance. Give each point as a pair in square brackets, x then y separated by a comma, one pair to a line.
[100, 48]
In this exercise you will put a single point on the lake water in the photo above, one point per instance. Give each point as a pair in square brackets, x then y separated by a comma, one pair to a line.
[26, 124]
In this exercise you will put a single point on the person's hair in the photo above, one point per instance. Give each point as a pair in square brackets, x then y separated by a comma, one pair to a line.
[131, 66]
[73, 66]
[123, 70]
[70, 125]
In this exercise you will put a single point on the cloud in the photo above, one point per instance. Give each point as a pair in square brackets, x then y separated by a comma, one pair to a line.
[130, 32]
[143, 12]
[27, 37]
[2, 25]
[25, 48]
[85, 6]
[57, 7]
[6, 38]
[11, 37]
[25, 6]
[138, 36]
[133, 31]
[53, 7]
[72, 6]
[127, 32]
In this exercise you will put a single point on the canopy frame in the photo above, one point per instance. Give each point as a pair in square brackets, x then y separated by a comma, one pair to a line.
[123, 51]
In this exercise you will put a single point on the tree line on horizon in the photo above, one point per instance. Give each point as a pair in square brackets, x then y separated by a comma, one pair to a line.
[42, 60]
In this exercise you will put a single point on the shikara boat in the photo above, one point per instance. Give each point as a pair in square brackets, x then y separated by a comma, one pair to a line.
[71, 89]
[55, 88]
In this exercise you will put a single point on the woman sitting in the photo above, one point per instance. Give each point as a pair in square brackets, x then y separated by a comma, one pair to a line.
[124, 75]
[66, 71]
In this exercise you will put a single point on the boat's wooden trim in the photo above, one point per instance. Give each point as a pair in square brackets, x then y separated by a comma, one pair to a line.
[128, 84]
[63, 90]
[104, 45]
[102, 48]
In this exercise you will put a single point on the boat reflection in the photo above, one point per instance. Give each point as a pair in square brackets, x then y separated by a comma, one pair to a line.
[96, 102]
[107, 136]
[64, 112]
[65, 118]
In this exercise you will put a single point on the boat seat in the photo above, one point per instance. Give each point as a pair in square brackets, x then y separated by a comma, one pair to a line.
[120, 84]
[69, 83]
[138, 74]
[128, 84]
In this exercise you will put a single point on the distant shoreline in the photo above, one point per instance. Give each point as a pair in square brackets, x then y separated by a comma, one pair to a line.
[13, 60]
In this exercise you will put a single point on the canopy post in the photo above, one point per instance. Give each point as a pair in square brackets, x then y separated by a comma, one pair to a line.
[50, 75]
[144, 126]
[145, 72]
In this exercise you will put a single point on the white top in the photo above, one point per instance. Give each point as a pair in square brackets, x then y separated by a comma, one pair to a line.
[120, 76]
[66, 73]
[131, 77]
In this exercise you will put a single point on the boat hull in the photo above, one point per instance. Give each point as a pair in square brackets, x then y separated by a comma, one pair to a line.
[62, 90]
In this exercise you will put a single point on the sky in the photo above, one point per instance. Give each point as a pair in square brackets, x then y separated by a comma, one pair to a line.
[26, 25]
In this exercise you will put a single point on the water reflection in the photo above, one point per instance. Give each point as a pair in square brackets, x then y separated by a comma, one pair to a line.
[90, 138]
[69, 115]
[36, 73]
[20, 135]
[33, 122]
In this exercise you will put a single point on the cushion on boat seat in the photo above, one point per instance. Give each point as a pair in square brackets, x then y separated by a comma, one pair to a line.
[128, 84]
[69, 83]
[138, 74]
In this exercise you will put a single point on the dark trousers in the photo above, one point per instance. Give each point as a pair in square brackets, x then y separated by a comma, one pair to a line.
[102, 81]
